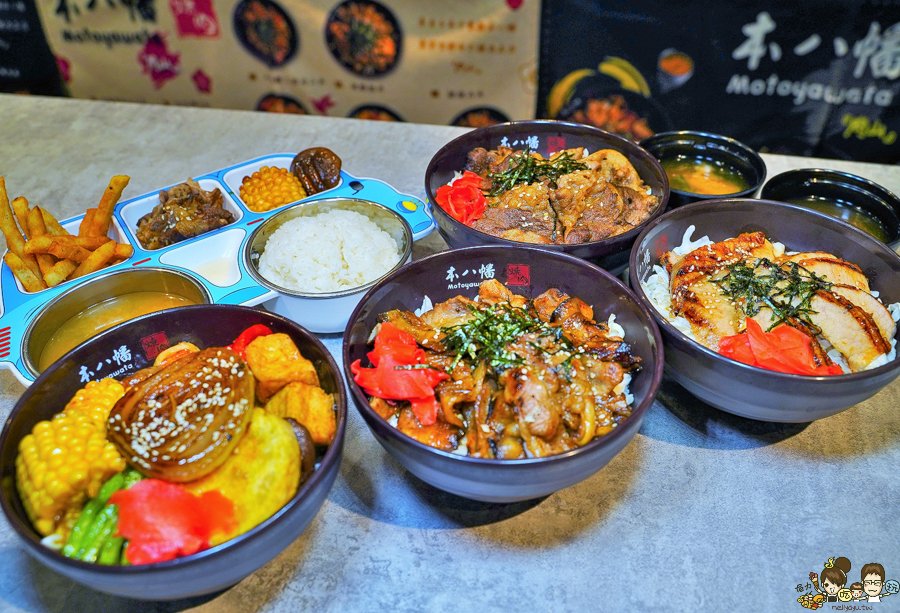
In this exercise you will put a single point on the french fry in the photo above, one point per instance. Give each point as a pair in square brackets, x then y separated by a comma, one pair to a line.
[33, 257]
[28, 278]
[14, 240]
[35, 221]
[42, 244]
[54, 228]
[46, 263]
[69, 251]
[85, 242]
[60, 271]
[87, 223]
[20, 206]
[100, 224]
[38, 244]
[37, 229]
[123, 251]
[97, 260]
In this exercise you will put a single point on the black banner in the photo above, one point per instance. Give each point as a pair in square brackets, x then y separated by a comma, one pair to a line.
[804, 78]
[26, 64]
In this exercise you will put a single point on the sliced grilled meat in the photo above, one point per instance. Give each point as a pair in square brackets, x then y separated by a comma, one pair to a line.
[850, 329]
[831, 268]
[870, 304]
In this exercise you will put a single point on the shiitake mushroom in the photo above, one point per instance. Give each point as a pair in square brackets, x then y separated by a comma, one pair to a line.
[317, 168]
[307, 449]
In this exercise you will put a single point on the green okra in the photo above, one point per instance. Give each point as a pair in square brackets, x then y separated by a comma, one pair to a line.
[99, 530]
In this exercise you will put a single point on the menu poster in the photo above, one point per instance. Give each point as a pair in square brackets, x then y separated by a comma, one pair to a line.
[805, 78]
[467, 62]
[26, 64]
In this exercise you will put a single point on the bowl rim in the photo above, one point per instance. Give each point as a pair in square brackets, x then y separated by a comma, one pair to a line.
[681, 337]
[252, 268]
[31, 367]
[828, 173]
[754, 155]
[841, 179]
[622, 144]
[29, 535]
[638, 412]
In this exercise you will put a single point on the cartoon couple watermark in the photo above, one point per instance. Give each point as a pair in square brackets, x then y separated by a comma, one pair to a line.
[871, 587]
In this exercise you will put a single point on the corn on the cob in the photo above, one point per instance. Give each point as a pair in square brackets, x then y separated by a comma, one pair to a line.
[64, 461]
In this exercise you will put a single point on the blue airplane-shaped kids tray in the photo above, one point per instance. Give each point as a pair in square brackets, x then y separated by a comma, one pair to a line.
[215, 258]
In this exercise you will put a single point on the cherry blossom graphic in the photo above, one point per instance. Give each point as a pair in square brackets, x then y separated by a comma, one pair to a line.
[64, 67]
[158, 62]
[514, 4]
[202, 81]
[323, 104]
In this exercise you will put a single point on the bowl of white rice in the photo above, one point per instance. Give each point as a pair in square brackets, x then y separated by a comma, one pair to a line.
[321, 257]
[733, 386]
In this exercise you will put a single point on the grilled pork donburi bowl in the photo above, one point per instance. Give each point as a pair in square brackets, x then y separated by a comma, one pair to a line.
[215, 430]
[502, 373]
[563, 187]
[804, 305]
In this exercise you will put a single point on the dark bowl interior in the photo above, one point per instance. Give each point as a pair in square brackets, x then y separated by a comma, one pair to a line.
[739, 388]
[526, 271]
[216, 568]
[714, 148]
[849, 190]
[549, 136]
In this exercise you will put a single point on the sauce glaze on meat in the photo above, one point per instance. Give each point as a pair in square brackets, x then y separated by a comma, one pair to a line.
[183, 212]
[557, 380]
[604, 199]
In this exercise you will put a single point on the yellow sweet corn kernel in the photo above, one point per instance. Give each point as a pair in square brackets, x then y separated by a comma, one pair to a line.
[96, 400]
[270, 187]
[65, 460]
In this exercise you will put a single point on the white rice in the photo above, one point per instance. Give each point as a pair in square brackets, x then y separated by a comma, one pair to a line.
[328, 252]
[656, 288]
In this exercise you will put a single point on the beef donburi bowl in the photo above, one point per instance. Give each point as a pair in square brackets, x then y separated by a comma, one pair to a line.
[559, 186]
[502, 373]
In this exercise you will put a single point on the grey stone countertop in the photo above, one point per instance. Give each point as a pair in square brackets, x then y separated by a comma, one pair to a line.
[702, 511]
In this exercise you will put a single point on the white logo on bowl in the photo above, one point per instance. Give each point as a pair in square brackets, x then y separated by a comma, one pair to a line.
[121, 356]
[485, 271]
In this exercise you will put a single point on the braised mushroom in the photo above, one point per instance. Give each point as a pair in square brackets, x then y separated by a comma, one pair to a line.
[317, 168]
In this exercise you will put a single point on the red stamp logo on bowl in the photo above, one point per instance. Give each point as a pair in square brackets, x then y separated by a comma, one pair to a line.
[555, 143]
[154, 344]
[518, 274]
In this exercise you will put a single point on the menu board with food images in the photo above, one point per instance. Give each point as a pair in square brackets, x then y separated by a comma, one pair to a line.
[465, 63]
[806, 78]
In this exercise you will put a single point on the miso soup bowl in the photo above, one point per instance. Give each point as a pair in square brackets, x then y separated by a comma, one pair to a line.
[850, 190]
[526, 271]
[211, 570]
[713, 148]
[103, 287]
[324, 311]
[739, 388]
[545, 137]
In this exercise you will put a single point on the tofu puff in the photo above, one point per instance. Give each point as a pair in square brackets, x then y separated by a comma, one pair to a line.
[289, 385]
[275, 362]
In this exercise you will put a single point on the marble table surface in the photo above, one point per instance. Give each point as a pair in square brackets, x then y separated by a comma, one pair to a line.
[702, 511]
